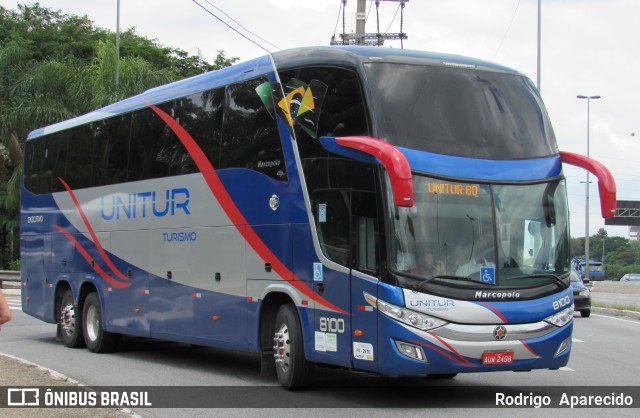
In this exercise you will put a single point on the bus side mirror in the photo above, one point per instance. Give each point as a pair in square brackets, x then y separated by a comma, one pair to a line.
[606, 183]
[377, 151]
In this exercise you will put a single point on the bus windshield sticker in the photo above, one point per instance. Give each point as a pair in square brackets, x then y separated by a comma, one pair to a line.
[300, 108]
[322, 212]
[488, 275]
[317, 272]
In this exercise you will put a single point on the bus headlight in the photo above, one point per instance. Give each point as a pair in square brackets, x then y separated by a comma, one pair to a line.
[407, 316]
[561, 318]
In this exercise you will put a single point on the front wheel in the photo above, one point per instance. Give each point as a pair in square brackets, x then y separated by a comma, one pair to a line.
[585, 313]
[70, 321]
[98, 340]
[292, 367]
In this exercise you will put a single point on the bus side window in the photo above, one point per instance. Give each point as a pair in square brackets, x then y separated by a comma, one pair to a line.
[343, 111]
[250, 137]
[55, 163]
[365, 231]
[34, 156]
[80, 151]
[117, 135]
[332, 215]
[201, 116]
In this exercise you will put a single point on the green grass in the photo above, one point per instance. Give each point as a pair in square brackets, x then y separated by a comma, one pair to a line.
[615, 306]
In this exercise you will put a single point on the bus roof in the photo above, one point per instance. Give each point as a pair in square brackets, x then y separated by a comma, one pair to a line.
[356, 55]
[348, 56]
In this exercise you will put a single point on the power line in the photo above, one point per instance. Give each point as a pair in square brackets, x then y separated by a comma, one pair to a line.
[394, 18]
[507, 31]
[239, 24]
[234, 29]
[337, 20]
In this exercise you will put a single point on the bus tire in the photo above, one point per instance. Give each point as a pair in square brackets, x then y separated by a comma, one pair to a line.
[586, 313]
[292, 367]
[70, 321]
[97, 339]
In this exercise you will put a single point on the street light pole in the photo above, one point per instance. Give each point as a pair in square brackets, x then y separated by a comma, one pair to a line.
[586, 222]
[539, 44]
[117, 44]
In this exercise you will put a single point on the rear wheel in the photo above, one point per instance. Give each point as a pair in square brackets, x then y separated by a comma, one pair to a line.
[292, 367]
[70, 321]
[98, 340]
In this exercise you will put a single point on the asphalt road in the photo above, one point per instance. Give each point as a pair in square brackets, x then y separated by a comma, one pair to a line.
[604, 354]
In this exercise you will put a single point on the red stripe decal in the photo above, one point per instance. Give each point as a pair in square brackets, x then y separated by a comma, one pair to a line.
[495, 311]
[234, 214]
[94, 237]
[87, 257]
[444, 353]
[460, 356]
[530, 349]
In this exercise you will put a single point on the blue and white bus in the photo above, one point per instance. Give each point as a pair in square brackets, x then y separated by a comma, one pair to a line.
[388, 211]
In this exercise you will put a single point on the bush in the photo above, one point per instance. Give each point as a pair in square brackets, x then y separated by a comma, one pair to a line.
[14, 265]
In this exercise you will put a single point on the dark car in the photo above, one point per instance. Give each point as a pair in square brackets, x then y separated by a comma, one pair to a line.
[581, 295]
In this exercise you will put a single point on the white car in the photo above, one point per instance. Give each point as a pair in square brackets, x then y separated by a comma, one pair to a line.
[635, 278]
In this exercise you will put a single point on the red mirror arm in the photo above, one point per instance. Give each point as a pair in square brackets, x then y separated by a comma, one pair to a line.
[392, 160]
[606, 183]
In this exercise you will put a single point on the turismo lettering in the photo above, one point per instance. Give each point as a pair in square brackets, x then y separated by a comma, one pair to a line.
[179, 236]
[144, 204]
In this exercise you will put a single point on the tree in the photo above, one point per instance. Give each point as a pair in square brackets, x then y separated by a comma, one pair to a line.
[55, 66]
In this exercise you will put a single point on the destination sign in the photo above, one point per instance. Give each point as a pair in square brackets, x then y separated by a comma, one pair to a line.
[454, 189]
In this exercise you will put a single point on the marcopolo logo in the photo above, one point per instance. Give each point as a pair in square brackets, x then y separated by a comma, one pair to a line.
[171, 202]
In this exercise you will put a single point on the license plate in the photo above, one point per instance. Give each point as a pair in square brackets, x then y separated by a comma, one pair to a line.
[497, 357]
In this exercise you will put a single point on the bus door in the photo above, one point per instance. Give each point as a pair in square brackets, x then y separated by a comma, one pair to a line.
[346, 224]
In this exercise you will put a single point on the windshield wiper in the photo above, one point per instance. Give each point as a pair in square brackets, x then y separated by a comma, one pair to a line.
[418, 287]
[539, 275]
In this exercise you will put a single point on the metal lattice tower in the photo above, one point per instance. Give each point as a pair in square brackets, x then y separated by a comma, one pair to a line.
[360, 37]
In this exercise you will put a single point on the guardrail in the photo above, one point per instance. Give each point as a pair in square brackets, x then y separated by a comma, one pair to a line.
[9, 276]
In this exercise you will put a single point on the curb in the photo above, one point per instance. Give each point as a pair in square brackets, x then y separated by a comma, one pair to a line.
[54, 374]
[60, 377]
[616, 312]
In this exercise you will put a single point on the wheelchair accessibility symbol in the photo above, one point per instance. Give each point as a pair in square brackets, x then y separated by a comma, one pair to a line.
[488, 275]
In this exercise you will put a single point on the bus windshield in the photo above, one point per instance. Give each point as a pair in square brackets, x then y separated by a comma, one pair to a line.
[459, 111]
[466, 233]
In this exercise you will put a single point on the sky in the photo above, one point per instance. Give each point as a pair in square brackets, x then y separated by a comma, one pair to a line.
[589, 47]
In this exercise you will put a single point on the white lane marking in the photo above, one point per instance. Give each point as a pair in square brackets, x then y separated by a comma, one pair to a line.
[575, 340]
[566, 369]
[615, 317]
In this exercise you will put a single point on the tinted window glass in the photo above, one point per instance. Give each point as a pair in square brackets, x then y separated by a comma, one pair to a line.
[80, 157]
[342, 113]
[116, 135]
[33, 157]
[100, 154]
[201, 116]
[140, 145]
[331, 211]
[54, 164]
[455, 111]
[250, 137]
